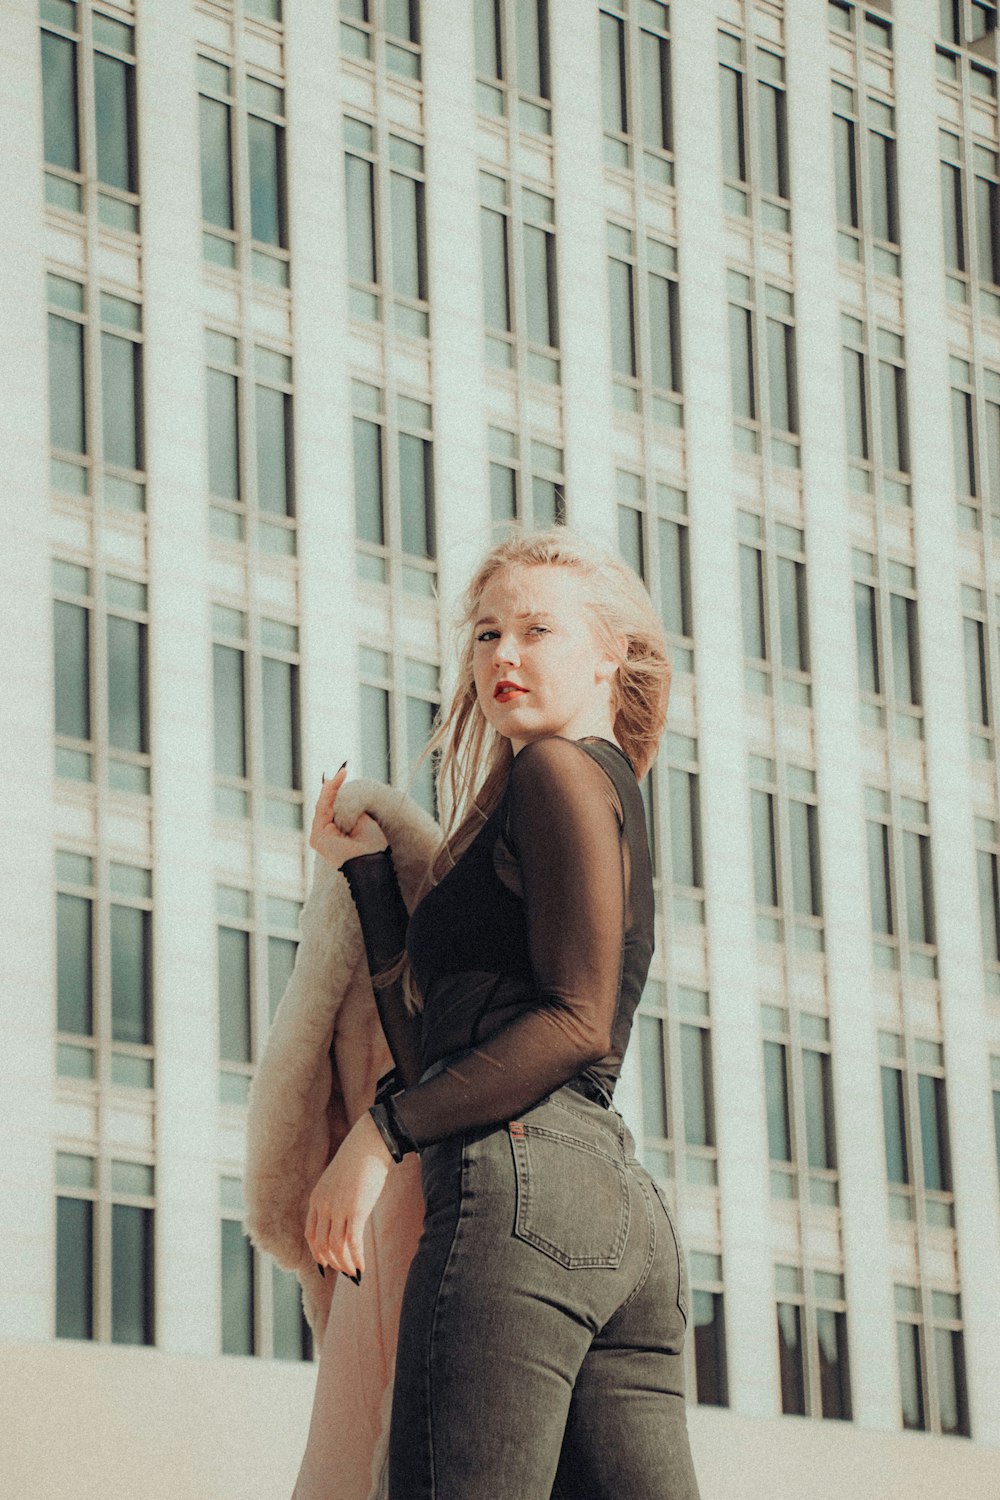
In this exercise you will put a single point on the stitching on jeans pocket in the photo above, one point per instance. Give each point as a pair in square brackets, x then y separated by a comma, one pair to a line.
[682, 1301]
[572, 1198]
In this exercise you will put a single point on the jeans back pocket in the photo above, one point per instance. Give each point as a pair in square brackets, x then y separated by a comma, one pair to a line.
[675, 1246]
[572, 1196]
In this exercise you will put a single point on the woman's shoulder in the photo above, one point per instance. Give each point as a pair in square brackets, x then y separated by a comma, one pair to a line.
[555, 770]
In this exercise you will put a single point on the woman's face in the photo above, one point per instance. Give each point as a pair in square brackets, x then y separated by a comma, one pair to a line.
[537, 665]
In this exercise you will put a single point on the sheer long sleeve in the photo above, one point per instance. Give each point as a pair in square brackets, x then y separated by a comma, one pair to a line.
[565, 822]
[383, 916]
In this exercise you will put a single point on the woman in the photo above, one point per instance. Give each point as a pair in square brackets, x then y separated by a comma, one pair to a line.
[544, 1313]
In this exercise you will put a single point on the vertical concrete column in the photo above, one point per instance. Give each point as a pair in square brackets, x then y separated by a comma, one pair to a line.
[725, 807]
[180, 676]
[27, 968]
[940, 564]
[853, 1028]
[581, 253]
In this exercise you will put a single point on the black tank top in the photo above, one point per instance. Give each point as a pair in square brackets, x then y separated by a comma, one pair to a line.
[530, 953]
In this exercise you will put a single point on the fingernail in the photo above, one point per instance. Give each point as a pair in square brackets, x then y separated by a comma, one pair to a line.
[323, 776]
[320, 1270]
[356, 1278]
[340, 768]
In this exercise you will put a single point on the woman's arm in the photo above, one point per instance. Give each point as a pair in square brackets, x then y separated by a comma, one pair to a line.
[565, 825]
[383, 916]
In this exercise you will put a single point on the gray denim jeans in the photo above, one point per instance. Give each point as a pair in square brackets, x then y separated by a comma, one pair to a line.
[543, 1320]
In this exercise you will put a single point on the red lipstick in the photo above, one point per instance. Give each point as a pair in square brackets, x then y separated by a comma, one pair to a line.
[505, 691]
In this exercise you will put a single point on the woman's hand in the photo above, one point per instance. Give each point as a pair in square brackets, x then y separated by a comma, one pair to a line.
[341, 1202]
[366, 837]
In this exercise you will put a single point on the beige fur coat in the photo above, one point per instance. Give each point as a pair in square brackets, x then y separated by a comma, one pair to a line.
[324, 1055]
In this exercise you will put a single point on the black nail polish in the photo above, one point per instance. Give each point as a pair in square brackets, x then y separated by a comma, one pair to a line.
[356, 1278]
[340, 768]
[320, 1270]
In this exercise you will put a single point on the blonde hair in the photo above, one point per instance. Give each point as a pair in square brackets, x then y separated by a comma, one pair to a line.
[474, 757]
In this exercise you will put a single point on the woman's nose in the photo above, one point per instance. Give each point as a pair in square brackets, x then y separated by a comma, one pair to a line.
[506, 650]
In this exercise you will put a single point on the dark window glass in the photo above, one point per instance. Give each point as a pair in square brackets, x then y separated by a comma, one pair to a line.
[121, 403]
[532, 47]
[855, 403]
[496, 281]
[75, 965]
[223, 435]
[540, 286]
[74, 1268]
[489, 59]
[62, 145]
[654, 1077]
[752, 602]
[419, 724]
[792, 614]
[934, 1133]
[230, 735]
[710, 1348]
[402, 19]
[67, 425]
[674, 574]
[375, 733]
[834, 1380]
[911, 1378]
[368, 481]
[114, 106]
[266, 142]
[733, 139]
[547, 503]
[949, 11]
[905, 649]
[613, 74]
[664, 326]
[892, 409]
[126, 686]
[72, 670]
[765, 861]
[503, 493]
[280, 963]
[883, 221]
[846, 169]
[791, 1360]
[216, 168]
[803, 832]
[360, 175]
[685, 828]
[779, 1132]
[953, 1404]
[130, 974]
[919, 893]
[292, 1339]
[989, 907]
[817, 1087]
[621, 283]
[773, 150]
[954, 233]
[962, 444]
[131, 1274]
[741, 362]
[279, 683]
[654, 54]
[409, 275]
[237, 1290]
[696, 1073]
[894, 1122]
[235, 1031]
[866, 626]
[630, 538]
[781, 375]
[879, 882]
[992, 416]
[416, 495]
[274, 450]
[987, 230]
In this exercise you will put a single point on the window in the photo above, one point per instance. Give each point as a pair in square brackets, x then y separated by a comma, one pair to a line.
[530, 490]
[762, 370]
[251, 469]
[970, 196]
[812, 1344]
[675, 1050]
[104, 1249]
[867, 202]
[261, 1303]
[243, 171]
[257, 939]
[708, 1321]
[256, 694]
[683, 804]
[900, 885]
[656, 547]
[520, 304]
[386, 228]
[396, 726]
[988, 871]
[635, 88]
[774, 609]
[876, 412]
[645, 325]
[394, 489]
[754, 132]
[931, 1353]
[384, 31]
[915, 1119]
[512, 61]
[967, 23]
[786, 855]
[888, 643]
[798, 1085]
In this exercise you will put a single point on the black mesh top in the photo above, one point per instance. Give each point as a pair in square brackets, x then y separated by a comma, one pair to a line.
[530, 953]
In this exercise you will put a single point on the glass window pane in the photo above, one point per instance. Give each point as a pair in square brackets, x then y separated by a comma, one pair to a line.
[710, 1348]
[911, 1379]
[882, 222]
[368, 481]
[613, 74]
[539, 286]
[375, 733]
[892, 411]
[953, 1408]
[752, 602]
[115, 128]
[237, 1290]
[879, 882]
[223, 435]
[674, 592]
[977, 695]
[67, 427]
[548, 508]
[989, 904]
[630, 538]
[532, 60]
[121, 389]
[279, 683]
[360, 219]
[741, 362]
[779, 1135]
[905, 653]
[804, 838]
[781, 375]
[503, 493]
[773, 153]
[791, 1359]
[274, 450]
[685, 834]
[280, 963]
[817, 1087]
[75, 964]
[292, 1339]
[620, 282]
[733, 142]
[654, 1078]
[696, 1074]
[216, 155]
[407, 207]
[834, 1381]
[402, 19]
[131, 1274]
[992, 414]
[963, 450]
[919, 904]
[130, 974]
[987, 230]
[846, 169]
[765, 860]
[419, 724]
[72, 670]
[792, 614]
[951, 200]
[496, 283]
[266, 142]
[866, 623]
[894, 1123]
[235, 1029]
[416, 496]
[855, 403]
[127, 685]
[664, 334]
[62, 146]
[933, 1133]
[489, 62]
[230, 740]
[655, 63]
[74, 1268]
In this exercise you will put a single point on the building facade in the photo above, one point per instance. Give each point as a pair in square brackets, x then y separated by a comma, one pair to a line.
[305, 305]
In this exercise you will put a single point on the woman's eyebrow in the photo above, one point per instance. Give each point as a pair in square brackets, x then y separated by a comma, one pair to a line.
[525, 614]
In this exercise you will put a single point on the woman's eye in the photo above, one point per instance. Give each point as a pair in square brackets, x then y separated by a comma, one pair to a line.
[486, 635]
[539, 630]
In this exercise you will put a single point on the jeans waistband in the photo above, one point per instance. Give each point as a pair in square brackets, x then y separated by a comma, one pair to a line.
[581, 1084]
